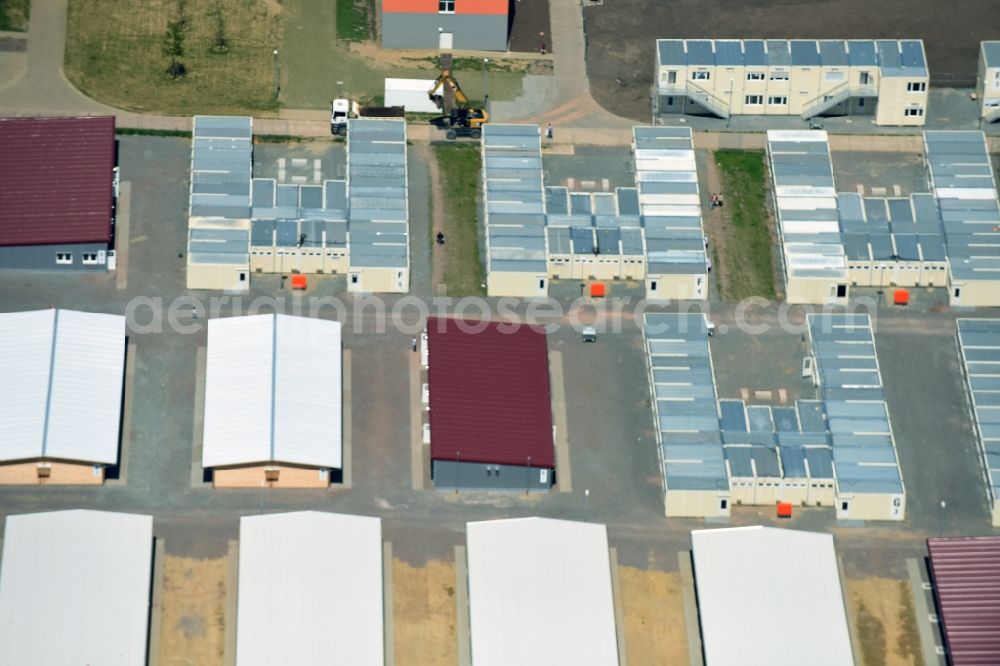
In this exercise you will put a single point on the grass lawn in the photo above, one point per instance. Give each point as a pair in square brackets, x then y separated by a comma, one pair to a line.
[459, 167]
[747, 264]
[353, 20]
[115, 54]
[14, 14]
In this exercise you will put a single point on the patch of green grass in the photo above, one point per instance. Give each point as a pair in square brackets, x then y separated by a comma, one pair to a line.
[276, 138]
[14, 15]
[353, 19]
[459, 167]
[747, 268]
[135, 131]
[115, 53]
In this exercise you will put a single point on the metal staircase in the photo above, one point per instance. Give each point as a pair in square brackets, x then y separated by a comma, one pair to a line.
[696, 93]
[841, 93]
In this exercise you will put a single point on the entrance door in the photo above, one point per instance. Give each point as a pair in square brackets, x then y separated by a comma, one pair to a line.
[445, 40]
[956, 296]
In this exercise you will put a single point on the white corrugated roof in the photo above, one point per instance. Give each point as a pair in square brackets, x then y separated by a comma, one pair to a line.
[310, 590]
[74, 588]
[540, 592]
[770, 596]
[61, 385]
[273, 391]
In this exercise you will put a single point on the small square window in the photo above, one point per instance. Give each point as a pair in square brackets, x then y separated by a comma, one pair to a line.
[64, 257]
[446, 6]
[843, 506]
[89, 258]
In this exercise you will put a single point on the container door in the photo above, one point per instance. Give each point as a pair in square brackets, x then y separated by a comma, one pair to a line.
[445, 41]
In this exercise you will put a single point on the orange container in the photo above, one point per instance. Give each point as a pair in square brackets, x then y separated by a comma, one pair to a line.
[901, 297]
[298, 282]
[597, 289]
[784, 509]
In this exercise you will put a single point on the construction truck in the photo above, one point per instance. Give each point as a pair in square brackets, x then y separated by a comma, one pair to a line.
[341, 110]
[460, 118]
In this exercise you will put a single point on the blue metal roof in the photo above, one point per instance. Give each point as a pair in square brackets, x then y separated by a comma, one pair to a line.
[805, 53]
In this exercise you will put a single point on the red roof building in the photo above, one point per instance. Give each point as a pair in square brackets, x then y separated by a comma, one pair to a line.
[56, 180]
[489, 393]
[480, 25]
[966, 578]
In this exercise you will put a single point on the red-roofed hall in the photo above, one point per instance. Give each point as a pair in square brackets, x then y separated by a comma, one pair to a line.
[490, 406]
[57, 191]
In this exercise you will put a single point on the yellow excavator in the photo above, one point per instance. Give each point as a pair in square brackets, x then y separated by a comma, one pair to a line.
[460, 118]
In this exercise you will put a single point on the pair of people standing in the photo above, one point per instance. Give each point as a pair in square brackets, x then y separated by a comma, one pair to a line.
[716, 200]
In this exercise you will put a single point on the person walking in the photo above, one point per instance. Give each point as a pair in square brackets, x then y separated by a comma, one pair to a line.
[414, 343]
[718, 200]
[715, 200]
[548, 131]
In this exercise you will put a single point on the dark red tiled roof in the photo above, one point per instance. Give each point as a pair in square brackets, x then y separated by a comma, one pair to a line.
[966, 574]
[56, 180]
[489, 393]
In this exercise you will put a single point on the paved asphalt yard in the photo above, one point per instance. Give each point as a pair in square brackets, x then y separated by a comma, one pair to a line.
[610, 424]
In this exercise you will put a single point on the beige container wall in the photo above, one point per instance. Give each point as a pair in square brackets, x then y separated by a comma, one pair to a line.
[806, 87]
[861, 274]
[893, 100]
[794, 490]
[977, 294]
[742, 490]
[677, 287]
[218, 276]
[254, 476]
[633, 268]
[597, 268]
[871, 506]
[60, 474]
[767, 492]
[813, 290]
[524, 285]
[934, 274]
[988, 87]
[696, 503]
[996, 513]
[727, 86]
[560, 266]
[822, 493]
[262, 260]
[379, 280]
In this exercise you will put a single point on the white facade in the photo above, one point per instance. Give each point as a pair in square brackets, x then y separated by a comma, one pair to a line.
[770, 596]
[310, 590]
[61, 385]
[988, 81]
[540, 593]
[74, 588]
[273, 392]
[410, 94]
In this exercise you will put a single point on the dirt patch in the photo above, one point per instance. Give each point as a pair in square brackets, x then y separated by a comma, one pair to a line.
[424, 613]
[654, 616]
[529, 27]
[273, 6]
[192, 628]
[621, 35]
[884, 621]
